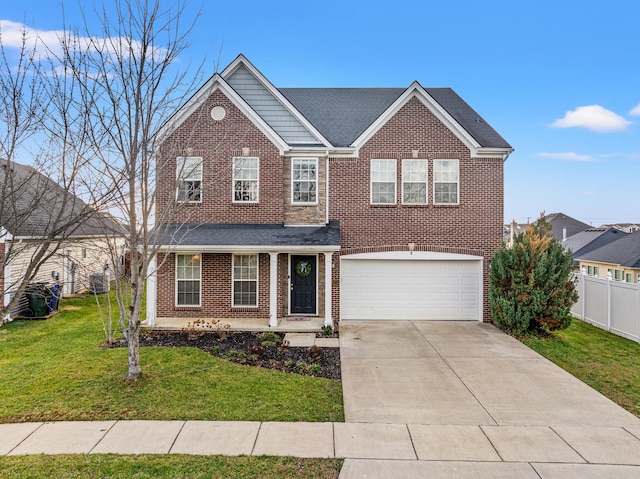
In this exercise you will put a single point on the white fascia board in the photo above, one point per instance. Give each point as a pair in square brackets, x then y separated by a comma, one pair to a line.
[413, 256]
[247, 249]
[416, 90]
[502, 153]
[242, 60]
[5, 235]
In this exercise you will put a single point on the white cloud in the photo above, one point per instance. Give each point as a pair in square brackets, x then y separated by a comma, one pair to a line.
[594, 118]
[635, 111]
[568, 156]
[14, 34]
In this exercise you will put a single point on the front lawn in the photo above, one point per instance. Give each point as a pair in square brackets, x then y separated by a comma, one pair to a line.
[606, 362]
[166, 467]
[56, 369]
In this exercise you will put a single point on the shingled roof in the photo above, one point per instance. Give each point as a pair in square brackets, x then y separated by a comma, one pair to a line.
[343, 114]
[624, 252]
[258, 235]
[34, 206]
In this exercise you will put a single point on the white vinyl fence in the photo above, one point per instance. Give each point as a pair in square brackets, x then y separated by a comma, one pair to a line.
[610, 305]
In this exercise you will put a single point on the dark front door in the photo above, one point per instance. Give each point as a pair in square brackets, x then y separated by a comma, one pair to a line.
[303, 284]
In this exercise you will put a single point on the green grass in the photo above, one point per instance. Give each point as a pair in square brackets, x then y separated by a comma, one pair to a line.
[608, 363]
[56, 369]
[169, 467]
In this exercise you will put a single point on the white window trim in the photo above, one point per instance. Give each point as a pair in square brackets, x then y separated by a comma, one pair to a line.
[177, 281]
[434, 181]
[179, 179]
[395, 181]
[233, 179]
[293, 160]
[426, 181]
[233, 281]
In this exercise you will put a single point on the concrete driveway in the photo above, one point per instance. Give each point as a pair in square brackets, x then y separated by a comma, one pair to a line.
[464, 373]
[475, 402]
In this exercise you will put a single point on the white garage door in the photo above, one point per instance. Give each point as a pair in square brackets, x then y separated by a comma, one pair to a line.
[378, 287]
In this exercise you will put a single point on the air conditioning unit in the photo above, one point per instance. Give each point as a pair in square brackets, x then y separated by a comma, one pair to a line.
[99, 283]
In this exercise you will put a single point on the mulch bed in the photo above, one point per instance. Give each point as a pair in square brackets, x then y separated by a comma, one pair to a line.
[265, 350]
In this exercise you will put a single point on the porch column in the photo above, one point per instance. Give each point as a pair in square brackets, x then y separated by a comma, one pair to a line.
[152, 291]
[273, 290]
[328, 275]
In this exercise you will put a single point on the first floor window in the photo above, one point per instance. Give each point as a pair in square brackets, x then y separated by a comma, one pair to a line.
[628, 278]
[596, 271]
[304, 180]
[245, 280]
[383, 182]
[617, 275]
[590, 270]
[245, 179]
[189, 179]
[414, 182]
[188, 275]
[446, 177]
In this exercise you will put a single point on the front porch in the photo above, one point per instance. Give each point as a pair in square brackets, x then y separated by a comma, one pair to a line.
[284, 325]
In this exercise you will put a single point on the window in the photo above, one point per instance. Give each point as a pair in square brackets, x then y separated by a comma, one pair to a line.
[245, 179]
[446, 177]
[383, 181]
[639, 279]
[304, 180]
[617, 275]
[596, 271]
[189, 178]
[188, 273]
[414, 182]
[245, 280]
[590, 270]
[628, 278]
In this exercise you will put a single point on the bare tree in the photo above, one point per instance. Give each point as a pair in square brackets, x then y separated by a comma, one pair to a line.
[130, 87]
[41, 206]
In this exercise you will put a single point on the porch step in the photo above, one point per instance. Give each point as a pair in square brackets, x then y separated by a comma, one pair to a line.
[306, 340]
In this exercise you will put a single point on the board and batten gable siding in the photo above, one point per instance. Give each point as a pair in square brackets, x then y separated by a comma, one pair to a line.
[269, 108]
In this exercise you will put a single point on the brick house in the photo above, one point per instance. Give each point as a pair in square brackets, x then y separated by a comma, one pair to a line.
[325, 203]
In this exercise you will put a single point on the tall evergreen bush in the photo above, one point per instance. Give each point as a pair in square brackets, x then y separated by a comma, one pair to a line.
[531, 287]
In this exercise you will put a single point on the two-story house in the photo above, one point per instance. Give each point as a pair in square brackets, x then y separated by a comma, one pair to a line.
[325, 203]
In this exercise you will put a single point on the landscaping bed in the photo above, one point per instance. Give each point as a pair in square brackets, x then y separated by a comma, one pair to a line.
[267, 350]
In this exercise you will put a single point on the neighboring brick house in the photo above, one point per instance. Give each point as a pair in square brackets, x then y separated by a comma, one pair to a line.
[333, 203]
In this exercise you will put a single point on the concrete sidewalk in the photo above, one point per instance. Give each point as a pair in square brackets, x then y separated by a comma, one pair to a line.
[372, 450]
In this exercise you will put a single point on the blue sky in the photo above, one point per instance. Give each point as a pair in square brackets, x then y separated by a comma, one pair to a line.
[559, 80]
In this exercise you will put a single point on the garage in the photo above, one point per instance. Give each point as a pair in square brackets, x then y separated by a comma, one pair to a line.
[411, 286]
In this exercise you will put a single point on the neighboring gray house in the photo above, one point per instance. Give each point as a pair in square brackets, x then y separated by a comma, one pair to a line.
[591, 239]
[34, 208]
[621, 258]
[563, 226]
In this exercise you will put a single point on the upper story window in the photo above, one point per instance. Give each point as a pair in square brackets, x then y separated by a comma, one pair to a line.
[383, 182]
[189, 179]
[188, 279]
[446, 182]
[304, 180]
[245, 179]
[414, 182]
[245, 280]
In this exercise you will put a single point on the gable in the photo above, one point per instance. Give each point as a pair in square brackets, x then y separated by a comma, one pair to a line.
[269, 108]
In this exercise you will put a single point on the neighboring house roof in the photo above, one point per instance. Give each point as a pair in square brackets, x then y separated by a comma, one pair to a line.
[626, 227]
[35, 206]
[563, 226]
[259, 235]
[591, 239]
[624, 252]
[334, 117]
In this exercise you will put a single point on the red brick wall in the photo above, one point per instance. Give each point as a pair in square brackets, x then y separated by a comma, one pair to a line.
[474, 226]
[216, 290]
[217, 142]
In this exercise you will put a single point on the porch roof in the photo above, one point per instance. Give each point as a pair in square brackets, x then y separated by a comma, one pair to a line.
[258, 237]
